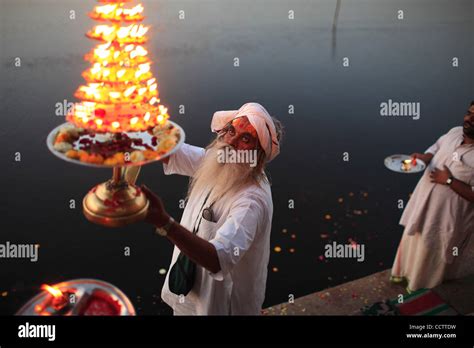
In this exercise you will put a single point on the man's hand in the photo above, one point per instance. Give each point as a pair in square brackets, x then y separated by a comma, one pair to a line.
[197, 249]
[425, 157]
[440, 176]
[157, 214]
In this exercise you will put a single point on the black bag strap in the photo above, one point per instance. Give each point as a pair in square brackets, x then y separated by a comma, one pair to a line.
[200, 214]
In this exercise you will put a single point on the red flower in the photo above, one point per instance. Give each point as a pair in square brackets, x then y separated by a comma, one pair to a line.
[99, 112]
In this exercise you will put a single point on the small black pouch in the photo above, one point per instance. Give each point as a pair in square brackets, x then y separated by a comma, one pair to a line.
[182, 275]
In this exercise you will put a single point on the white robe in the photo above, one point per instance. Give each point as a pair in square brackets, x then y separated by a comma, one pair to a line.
[437, 220]
[241, 235]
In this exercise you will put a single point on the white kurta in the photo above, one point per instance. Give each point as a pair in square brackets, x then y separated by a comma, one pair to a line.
[437, 219]
[241, 235]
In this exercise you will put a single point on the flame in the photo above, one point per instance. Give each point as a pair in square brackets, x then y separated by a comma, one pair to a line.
[120, 73]
[106, 9]
[114, 12]
[54, 291]
[129, 91]
[134, 33]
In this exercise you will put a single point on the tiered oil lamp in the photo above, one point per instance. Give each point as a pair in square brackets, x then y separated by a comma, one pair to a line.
[119, 122]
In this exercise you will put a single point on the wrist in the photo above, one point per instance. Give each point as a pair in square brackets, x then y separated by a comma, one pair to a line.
[161, 220]
[165, 229]
[450, 180]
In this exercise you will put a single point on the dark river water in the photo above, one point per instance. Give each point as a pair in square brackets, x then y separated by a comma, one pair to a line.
[283, 62]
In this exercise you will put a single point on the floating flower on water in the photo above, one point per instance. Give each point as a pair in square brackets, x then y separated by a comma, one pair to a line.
[324, 295]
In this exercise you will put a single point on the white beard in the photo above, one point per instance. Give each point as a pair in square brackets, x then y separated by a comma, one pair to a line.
[222, 178]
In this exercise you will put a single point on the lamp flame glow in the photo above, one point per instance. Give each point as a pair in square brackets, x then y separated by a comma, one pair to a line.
[120, 82]
[55, 292]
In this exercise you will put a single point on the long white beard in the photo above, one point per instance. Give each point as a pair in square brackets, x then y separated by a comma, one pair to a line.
[222, 178]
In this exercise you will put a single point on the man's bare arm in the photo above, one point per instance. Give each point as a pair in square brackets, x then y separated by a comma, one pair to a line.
[425, 157]
[197, 249]
[463, 189]
[441, 176]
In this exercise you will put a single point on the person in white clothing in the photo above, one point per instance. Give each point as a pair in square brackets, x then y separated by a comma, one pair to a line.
[439, 217]
[222, 243]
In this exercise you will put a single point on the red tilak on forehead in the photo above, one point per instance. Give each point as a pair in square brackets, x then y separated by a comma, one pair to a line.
[243, 125]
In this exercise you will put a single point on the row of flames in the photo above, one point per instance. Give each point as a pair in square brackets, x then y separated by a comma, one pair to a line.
[113, 12]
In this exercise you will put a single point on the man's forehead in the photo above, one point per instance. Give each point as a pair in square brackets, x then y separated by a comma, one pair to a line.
[240, 121]
[242, 124]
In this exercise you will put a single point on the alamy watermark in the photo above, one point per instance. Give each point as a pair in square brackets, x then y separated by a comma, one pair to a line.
[401, 109]
[345, 251]
[65, 107]
[19, 251]
[228, 155]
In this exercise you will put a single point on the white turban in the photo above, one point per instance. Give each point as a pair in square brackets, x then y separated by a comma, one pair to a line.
[259, 118]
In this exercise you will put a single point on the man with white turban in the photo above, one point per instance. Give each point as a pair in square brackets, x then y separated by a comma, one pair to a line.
[222, 244]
